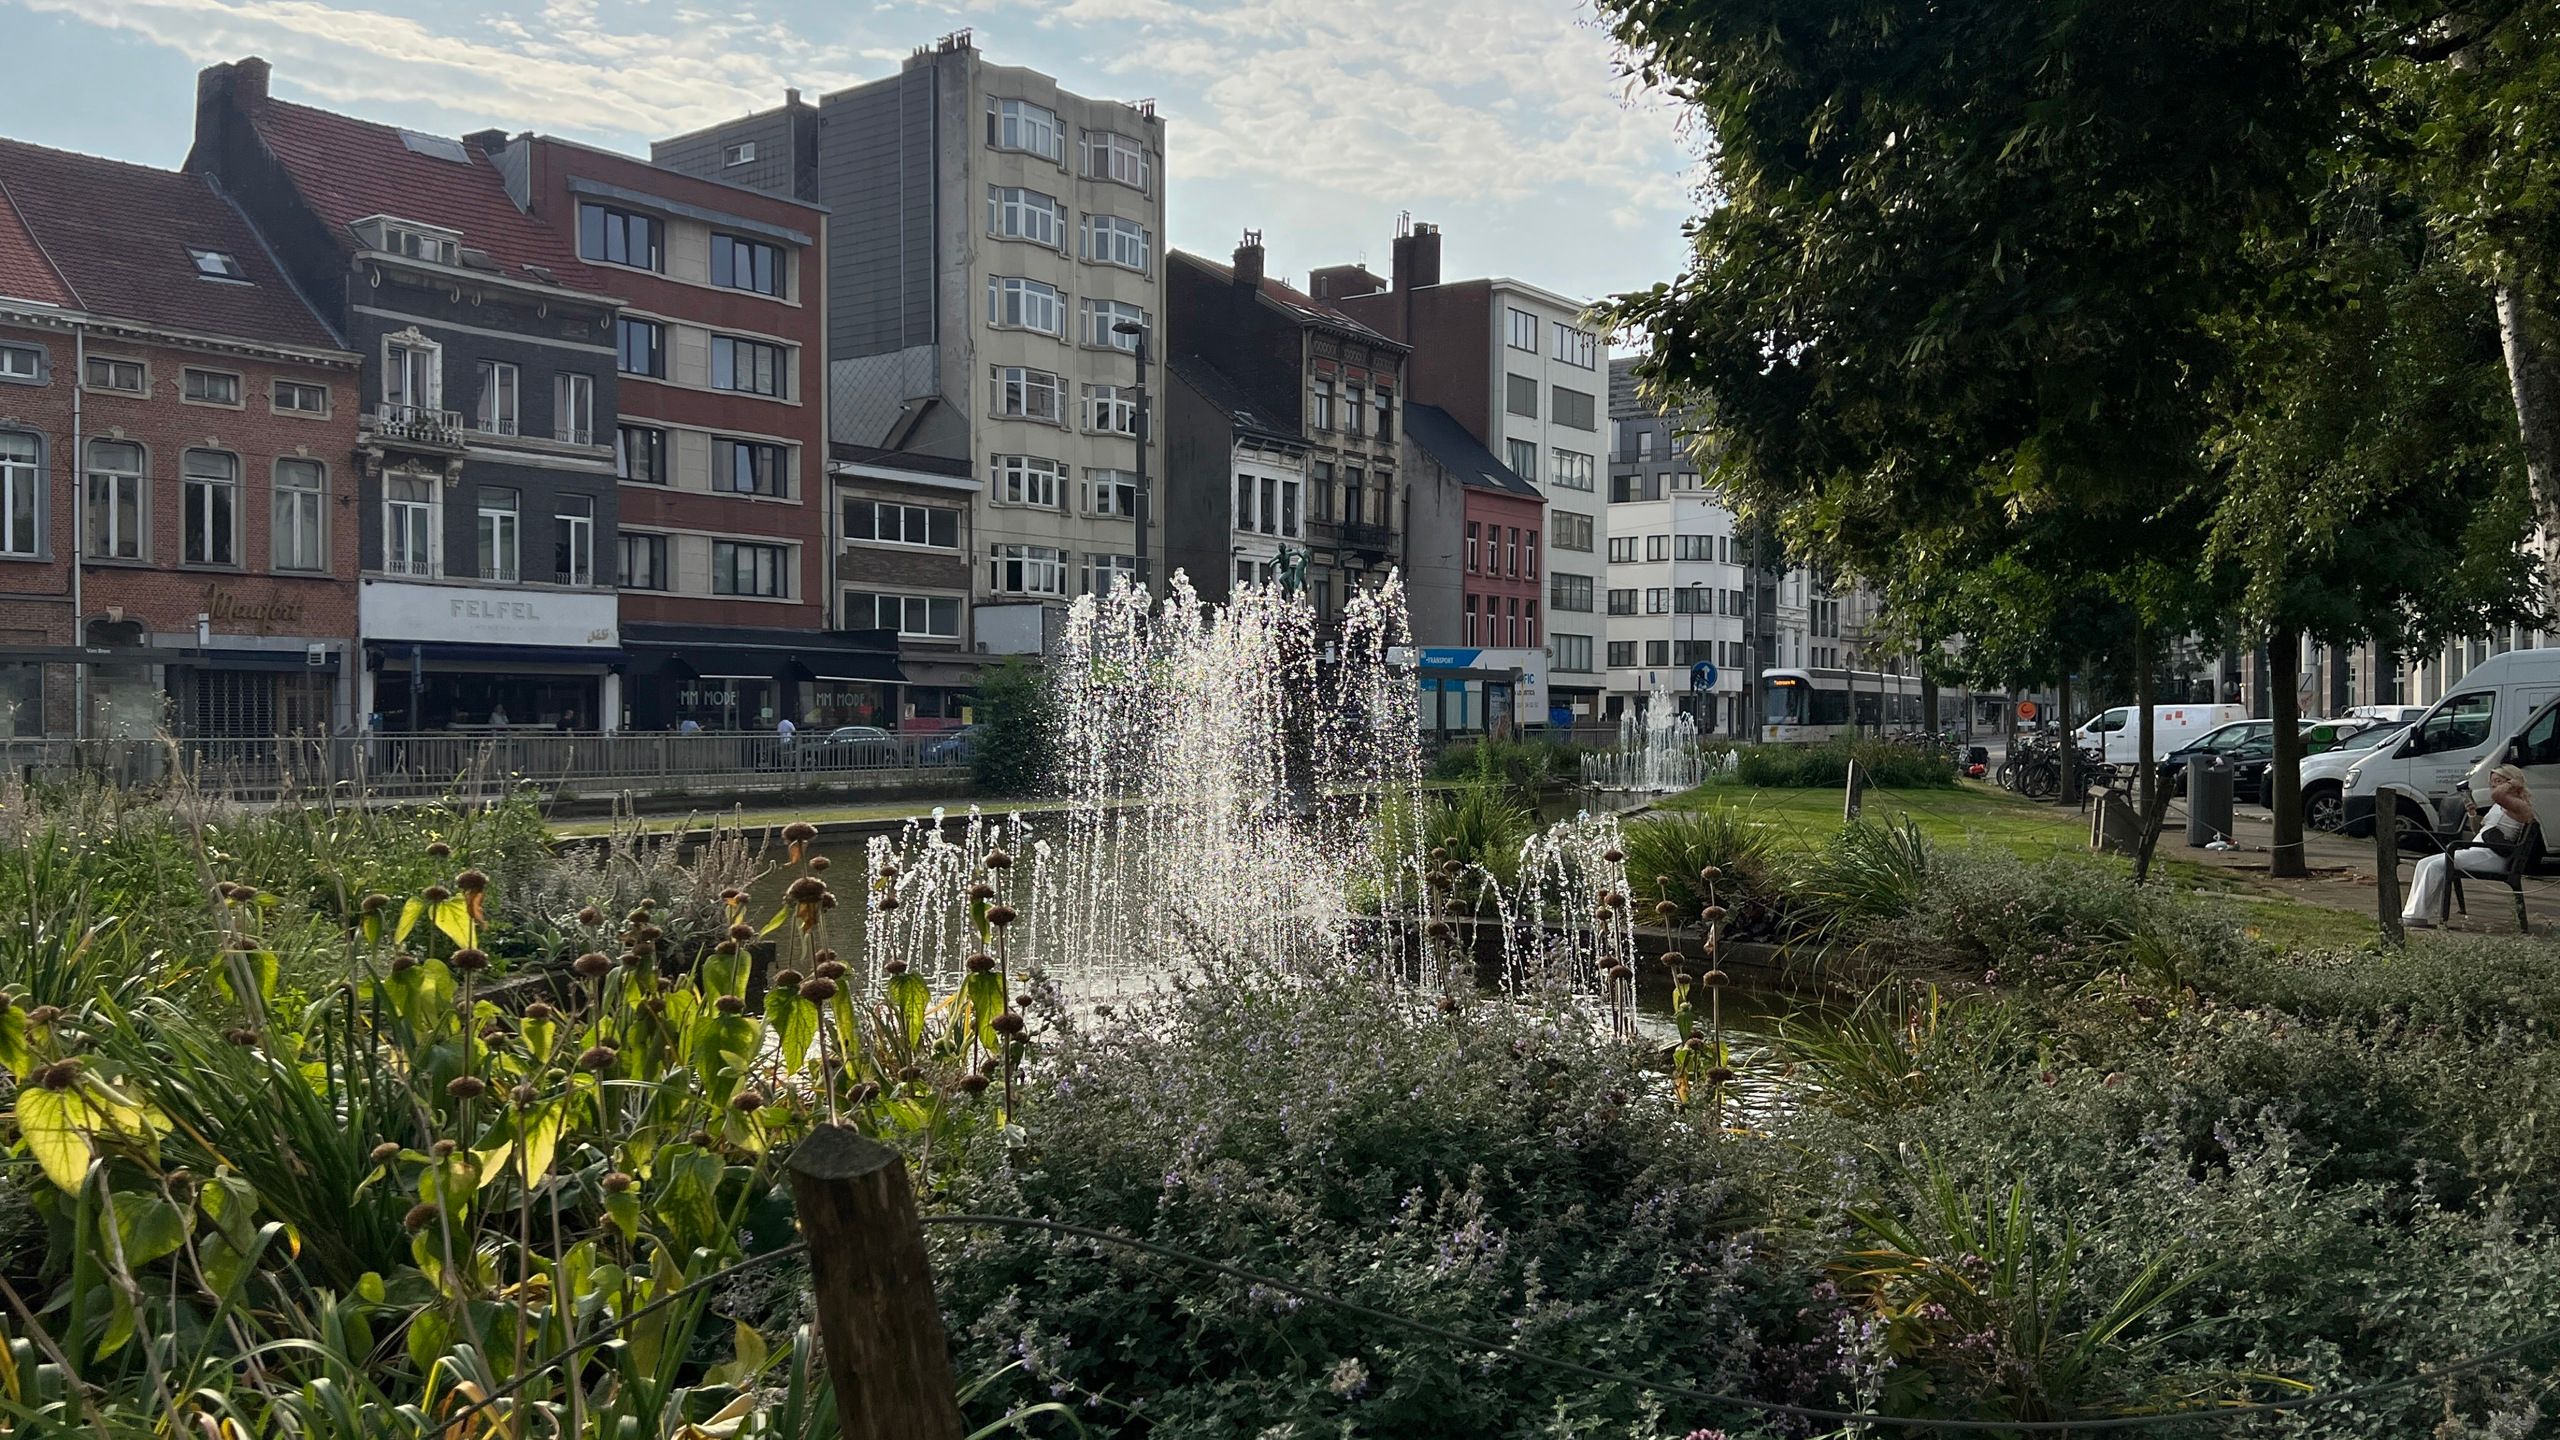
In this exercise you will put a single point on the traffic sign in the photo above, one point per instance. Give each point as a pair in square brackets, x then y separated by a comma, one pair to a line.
[1702, 675]
[2027, 710]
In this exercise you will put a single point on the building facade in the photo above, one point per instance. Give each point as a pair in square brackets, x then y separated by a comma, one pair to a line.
[486, 497]
[1514, 366]
[1318, 378]
[996, 248]
[1472, 583]
[1235, 499]
[903, 570]
[722, 551]
[177, 492]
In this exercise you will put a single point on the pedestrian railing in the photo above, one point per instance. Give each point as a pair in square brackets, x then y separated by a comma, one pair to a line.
[432, 764]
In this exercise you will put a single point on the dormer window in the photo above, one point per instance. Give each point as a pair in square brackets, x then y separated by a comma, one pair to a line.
[217, 265]
[431, 243]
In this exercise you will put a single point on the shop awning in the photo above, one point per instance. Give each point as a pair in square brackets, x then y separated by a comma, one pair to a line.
[395, 653]
[948, 674]
[809, 656]
[858, 668]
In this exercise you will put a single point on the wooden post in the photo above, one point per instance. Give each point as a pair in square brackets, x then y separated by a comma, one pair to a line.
[1856, 801]
[873, 1288]
[2386, 867]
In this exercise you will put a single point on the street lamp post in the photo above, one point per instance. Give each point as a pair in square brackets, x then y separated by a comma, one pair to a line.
[1697, 600]
[1146, 507]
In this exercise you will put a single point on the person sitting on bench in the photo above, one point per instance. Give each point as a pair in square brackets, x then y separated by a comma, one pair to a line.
[2485, 854]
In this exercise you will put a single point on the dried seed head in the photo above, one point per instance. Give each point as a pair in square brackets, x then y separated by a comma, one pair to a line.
[616, 1181]
[1695, 1044]
[806, 890]
[730, 1005]
[1711, 873]
[651, 934]
[524, 1095]
[438, 850]
[799, 832]
[1613, 900]
[1620, 971]
[980, 963]
[725, 947]
[435, 894]
[592, 964]
[385, 1153]
[469, 961]
[911, 1074]
[831, 968]
[242, 1036]
[402, 964]
[420, 1216]
[1719, 1076]
[865, 1093]
[702, 1138]
[1439, 853]
[1664, 909]
[1613, 854]
[596, 1057]
[974, 1084]
[540, 1010]
[817, 989]
[376, 903]
[748, 1101]
[981, 890]
[999, 915]
[821, 955]
[44, 1014]
[1439, 929]
[1008, 1023]
[471, 882]
[827, 901]
[1712, 914]
[818, 864]
[466, 1087]
[999, 860]
[653, 1005]
[60, 1075]
[1448, 1004]
[742, 932]
[787, 980]
[634, 960]
[443, 1149]
[890, 902]
[591, 917]
[1715, 977]
[894, 967]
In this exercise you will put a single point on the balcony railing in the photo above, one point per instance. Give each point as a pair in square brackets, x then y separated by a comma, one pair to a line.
[418, 425]
[1369, 539]
[574, 434]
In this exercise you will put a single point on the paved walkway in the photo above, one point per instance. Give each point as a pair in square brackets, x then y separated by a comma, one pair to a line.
[2342, 874]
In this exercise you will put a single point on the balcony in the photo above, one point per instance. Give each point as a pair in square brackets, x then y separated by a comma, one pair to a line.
[417, 427]
[1375, 541]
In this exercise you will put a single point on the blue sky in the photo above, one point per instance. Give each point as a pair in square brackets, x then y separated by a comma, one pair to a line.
[1315, 121]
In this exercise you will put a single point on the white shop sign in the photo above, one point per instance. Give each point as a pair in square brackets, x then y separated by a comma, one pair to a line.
[481, 615]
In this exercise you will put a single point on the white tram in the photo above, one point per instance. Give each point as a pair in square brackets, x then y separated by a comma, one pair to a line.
[1806, 707]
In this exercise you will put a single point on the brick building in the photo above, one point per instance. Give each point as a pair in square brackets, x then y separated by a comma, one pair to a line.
[1471, 580]
[905, 528]
[487, 496]
[722, 550]
[172, 414]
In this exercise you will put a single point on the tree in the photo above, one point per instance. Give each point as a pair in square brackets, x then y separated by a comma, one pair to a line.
[1011, 753]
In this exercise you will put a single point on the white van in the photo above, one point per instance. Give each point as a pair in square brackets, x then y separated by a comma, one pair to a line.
[2118, 732]
[2419, 772]
[2534, 749]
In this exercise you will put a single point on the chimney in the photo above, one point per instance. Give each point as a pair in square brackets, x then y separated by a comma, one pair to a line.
[488, 141]
[249, 82]
[1343, 282]
[1249, 261]
[1417, 258]
[791, 98]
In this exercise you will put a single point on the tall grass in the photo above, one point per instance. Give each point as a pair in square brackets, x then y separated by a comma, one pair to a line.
[1666, 852]
[1826, 767]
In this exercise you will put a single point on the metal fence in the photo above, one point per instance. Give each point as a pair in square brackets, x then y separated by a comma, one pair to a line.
[439, 764]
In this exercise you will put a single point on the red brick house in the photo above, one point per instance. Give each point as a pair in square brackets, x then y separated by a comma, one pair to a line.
[175, 416]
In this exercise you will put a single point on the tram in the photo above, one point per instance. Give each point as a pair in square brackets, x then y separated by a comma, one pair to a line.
[1806, 707]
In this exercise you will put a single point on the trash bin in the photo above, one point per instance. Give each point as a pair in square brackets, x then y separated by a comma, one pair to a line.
[2208, 802]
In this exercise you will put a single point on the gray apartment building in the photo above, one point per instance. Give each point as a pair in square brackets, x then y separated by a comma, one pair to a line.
[996, 243]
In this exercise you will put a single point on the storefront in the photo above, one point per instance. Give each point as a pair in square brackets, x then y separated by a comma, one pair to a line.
[727, 679]
[473, 658]
[1481, 691]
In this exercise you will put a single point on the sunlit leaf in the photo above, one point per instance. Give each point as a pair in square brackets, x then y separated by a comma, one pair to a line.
[410, 914]
[55, 1125]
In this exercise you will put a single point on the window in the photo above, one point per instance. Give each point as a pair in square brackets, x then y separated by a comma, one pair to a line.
[210, 487]
[1471, 620]
[742, 153]
[751, 367]
[123, 376]
[116, 505]
[619, 237]
[1511, 620]
[1657, 547]
[1117, 157]
[1111, 409]
[1622, 549]
[1025, 394]
[21, 493]
[1520, 396]
[1322, 495]
[1026, 570]
[1472, 540]
[1102, 572]
[919, 617]
[301, 508]
[741, 264]
[1529, 626]
[1021, 125]
[1511, 551]
[412, 377]
[1320, 405]
[409, 525]
[2460, 723]
[1017, 304]
[1569, 531]
[1575, 471]
[640, 347]
[738, 568]
[498, 533]
[417, 242]
[216, 265]
[1111, 492]
[1101, 317]
[574, 556]
[1386, 403]
[1014, 213]
[1027, 480]
[573, 409]
[496, 412]
[1689, 600]
[1621, 602]
[1644, 444]
[1523, 330]
[1355, 503]
[889, 523]
[642, 560]
[1657, 652]
[209, 387]
[750, 467]
[1577, 347]
[1625, 489]
[291, 397]
[1622, 654]
[1569, 592]
[1573, 654]
[640, 453]
[21, 362]
[1575, 408]
[1523, 455]
[1114, 240]
[1657, 600]
[1355, 410]
[1693, 547]
[1685, 480]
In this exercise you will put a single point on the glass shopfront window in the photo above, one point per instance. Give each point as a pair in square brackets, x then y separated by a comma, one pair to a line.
[730, 702]
[848, 702]
[21, 700]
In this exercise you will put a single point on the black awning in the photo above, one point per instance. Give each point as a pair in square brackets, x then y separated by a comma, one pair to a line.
[807, 655]
[393, 654]
[853, 666]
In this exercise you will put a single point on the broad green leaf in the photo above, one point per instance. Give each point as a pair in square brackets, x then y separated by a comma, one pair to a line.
[624, 1211]
[982, 1000]
[725, 974]
[775, 923]
[752, 1356]
[688, 1198]
[411, 913]
[453, 917]
[371, 925]
[231, 1203]
[910, 997]
[539, 1131]
[13, 1043]
[795, 1022]
[148, 1227]
[428, 1334]
[369, 1288]
[55, 1124]
[978, 921]
[247, 978]
[539, 1038]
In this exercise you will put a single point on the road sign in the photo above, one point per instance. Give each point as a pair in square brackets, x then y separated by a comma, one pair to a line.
[2027, 710]
[1702, 675]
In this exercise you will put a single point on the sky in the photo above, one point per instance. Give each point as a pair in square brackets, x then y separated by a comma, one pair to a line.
[1506, 122]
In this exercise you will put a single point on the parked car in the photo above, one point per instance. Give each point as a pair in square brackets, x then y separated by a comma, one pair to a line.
[2116, 733]
[2323, 792]
[951, 747]
[852, 747]
[2223, 744]
[2416, 774]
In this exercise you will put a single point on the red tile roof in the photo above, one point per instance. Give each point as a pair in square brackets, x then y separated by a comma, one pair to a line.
[348, 169]
[117, 238]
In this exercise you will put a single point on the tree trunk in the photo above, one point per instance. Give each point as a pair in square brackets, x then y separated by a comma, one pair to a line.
[2531, 384]
[2070, 745]
[2147, 772]
[2284, 683]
